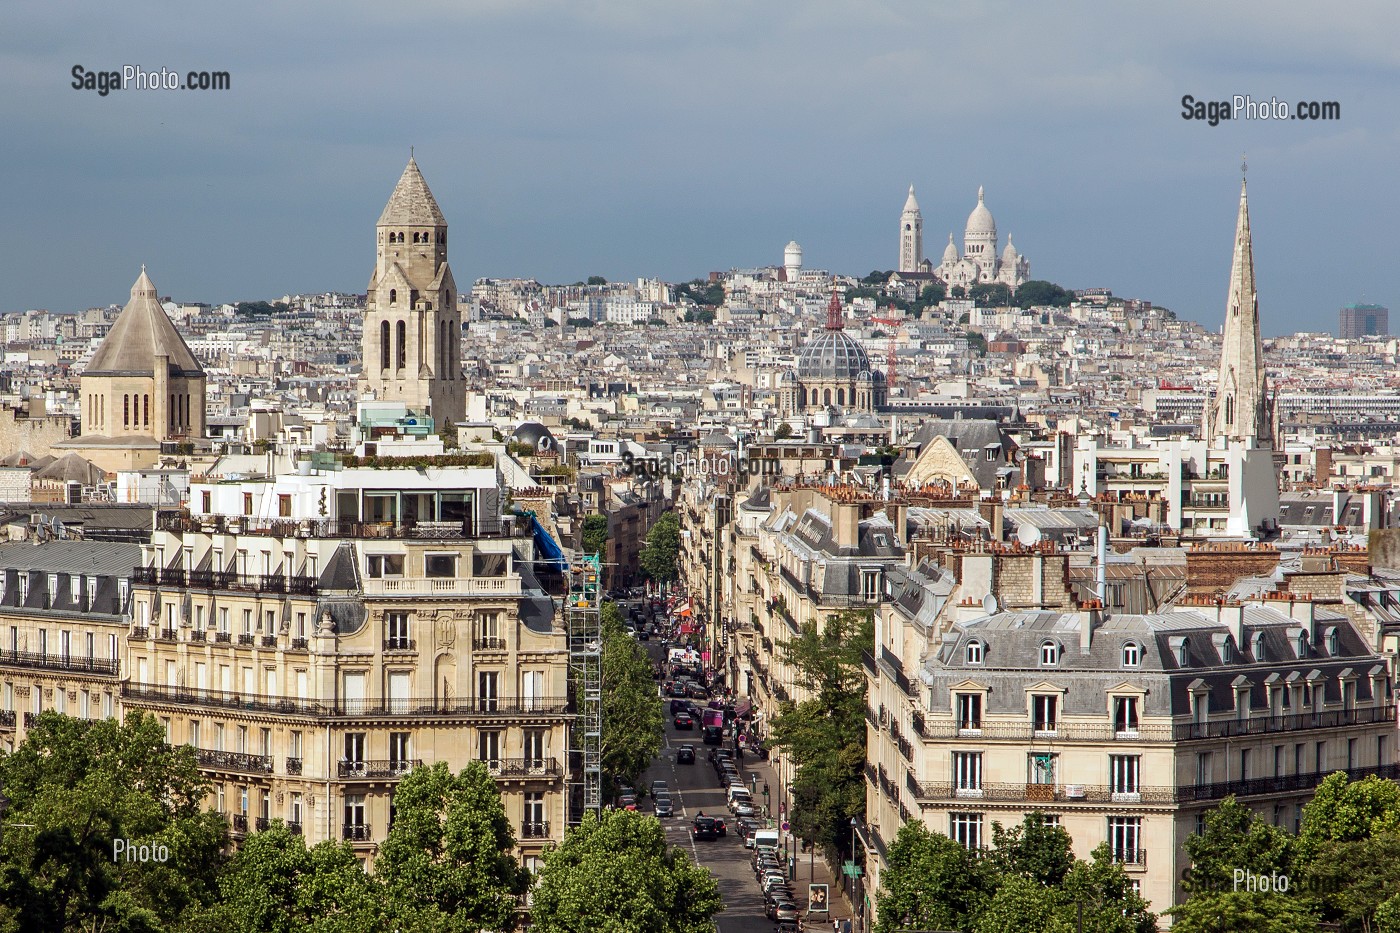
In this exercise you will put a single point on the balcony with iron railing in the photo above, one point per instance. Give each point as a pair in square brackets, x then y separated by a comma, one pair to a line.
[334, 528]
[534, 830]
[1131, 859]
[299, 706]
[524, 767]
[225, 581]
[237, 762]
[355, 832]
[7, 719]
[400, 644]
[239, 824]
[294, 766]
[108, 667]
[294, 827]
[392, 769]
[489, 643]
[262, 823]
[442, 586]
[1225, 728]
[1021, 791]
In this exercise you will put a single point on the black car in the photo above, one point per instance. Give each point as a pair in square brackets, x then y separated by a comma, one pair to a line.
[684, 721]
[685, 755]
[703, 828]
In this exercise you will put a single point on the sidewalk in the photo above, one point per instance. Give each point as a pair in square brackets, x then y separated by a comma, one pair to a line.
[810, 868]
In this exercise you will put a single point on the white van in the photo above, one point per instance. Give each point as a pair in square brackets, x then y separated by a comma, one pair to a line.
[763, 837]
[738, 792]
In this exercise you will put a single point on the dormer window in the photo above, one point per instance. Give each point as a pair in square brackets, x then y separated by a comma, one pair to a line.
[1227, 651]
[1258, 647]
[1183, 653]
[1302, 644]
[1132, 655]
[974, 652]
[1333, 642]
[1049, 654]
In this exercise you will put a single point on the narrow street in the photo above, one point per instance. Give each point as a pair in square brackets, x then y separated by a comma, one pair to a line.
[695, 789]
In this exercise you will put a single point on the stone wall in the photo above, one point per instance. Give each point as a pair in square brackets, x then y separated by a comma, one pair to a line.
[1213, 569]
[36, 435]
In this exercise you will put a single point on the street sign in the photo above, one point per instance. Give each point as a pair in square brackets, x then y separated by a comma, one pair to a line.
[816, 899]
[786, 826]
[851, 869]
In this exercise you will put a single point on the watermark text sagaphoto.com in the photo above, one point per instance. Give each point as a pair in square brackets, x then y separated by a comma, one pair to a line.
[1245, 107]
[134, 77]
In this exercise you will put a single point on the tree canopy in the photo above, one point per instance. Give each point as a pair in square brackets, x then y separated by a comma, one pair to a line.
[595, 533]
[633, 724]
[616, 874]
[80, 785]
[658, 556]
[824, 735]
[1037, 293]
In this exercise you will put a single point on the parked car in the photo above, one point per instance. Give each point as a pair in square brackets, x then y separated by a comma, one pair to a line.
[789, 912]
[627, 801]
[703, 828]
[685, 755]
[772, 907]
[684, 721]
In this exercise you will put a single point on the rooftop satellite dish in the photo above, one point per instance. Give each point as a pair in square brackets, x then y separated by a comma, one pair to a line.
[989, 604]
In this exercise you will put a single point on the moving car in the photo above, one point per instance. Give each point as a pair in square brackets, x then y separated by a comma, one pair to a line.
[703, 828]
[663, 805]
[684, 721]
[658, 788]
[720, 828]
[685, 755]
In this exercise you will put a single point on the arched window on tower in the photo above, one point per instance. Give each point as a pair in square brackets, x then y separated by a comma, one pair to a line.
[402, 356]
[126, 411]
[383, 344]
[1229, 409]
[146, 410]
[841, 397]
[393, 296]
[442, 348]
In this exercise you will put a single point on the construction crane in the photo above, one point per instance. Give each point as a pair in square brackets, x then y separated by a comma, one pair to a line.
[584, 617]
[894, 325]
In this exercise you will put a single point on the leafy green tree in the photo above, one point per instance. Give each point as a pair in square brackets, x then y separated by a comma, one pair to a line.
[1101, 890]
[1342, 810]
[447, 864]
[990, 294]
[597, 280]
[1352, 880]
[82, 785]
[824, 735]
[580, 322]
[616, 874]
[275, 884]
[1033, 849]
[931, 883]
[595, 534]
[784, 431]
[633, 724]
[877, 277]
[1025, 906]
[976, 343]
[1242, 912]
[700, 316]
[957, 291]
[1038, 293]
[1235, 838]
[931, 295]
[658, 557]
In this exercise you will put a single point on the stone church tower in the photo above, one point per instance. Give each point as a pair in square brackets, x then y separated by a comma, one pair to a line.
[412, 336]
[143, 387]
[911, 236]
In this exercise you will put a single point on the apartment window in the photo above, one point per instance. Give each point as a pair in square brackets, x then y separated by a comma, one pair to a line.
[398, 750]
[1278, 761]
[1320, 757]
[969, 710]
[270, 622]
[294, 744]
[223, 621]
[355, 748]
[1049, 654]
[488, 747]
[488, 630]
[247, 503]
[242, 740]
[870, 584]
[243, 799]
[294, 810]
[1125, 839]
[206, 501]
[284, 506]
[1124, 774]
[1044, 712]
[967, 773]
[108, 706]
[265, 742]
[1204, 771]
[1351, 754]
[219, 798]
[1244, 764]
[396, 629]
[1183, 652]
[1040, 768]
[1380, 740]
[247, 622]
[534, 812]
[1333, 642]
[1257, 649]
[536, 747]
[966, 829]
[1132, 655]
[974, 652]
[265, 804]
[300, 630]
[355, 810]
[1301, 645]
[194, 732]
[487, 687]
[1125, 715]
[385, 565]
[440, 565]
[44, 645]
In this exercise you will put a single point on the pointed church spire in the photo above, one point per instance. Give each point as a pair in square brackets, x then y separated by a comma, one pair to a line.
[911, 204]
[412, 204]
[1241, 405]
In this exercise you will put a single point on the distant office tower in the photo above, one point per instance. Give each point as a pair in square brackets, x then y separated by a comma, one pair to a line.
[792, 260]
[1355, 321]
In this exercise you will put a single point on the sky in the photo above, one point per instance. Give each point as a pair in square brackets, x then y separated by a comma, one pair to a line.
[626, 139]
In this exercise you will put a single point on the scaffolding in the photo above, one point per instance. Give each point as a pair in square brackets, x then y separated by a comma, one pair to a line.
[585, 667]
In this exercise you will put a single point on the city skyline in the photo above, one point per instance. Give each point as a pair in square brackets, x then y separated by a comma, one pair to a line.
[566, 142]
